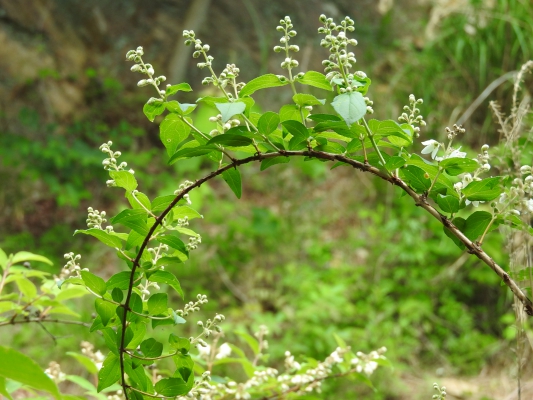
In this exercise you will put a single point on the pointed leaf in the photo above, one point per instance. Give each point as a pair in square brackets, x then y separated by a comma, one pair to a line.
[350, 106]
[20, 368]
[110, 372]
[261, 82]
[133, 219]
[153, 108]
[105, 310]
[273, 161]
[476, 224]
[93, 282]
[316, 79]
[455, 166]
[228, 110]
[151, 348]
[268, 123]
[171, 387]
[168, 278]
[172, 132]
[484, 190]
[158, 303]
[190, 152]
[303, 99]
[184, 87]
[232, 140]
[449, 204]
[103, 236]
[232, 177]
[23, 256]
[124, 179]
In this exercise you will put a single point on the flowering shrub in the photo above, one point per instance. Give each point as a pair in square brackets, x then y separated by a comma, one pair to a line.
[153, 236]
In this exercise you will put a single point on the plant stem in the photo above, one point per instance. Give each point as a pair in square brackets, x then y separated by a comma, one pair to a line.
[374, 145]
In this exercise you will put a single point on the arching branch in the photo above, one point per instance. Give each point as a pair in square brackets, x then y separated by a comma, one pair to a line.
[420, 201]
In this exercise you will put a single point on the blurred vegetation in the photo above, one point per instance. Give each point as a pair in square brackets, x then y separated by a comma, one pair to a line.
[371, 268]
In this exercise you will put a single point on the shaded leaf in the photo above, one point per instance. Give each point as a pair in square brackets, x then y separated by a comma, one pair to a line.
[273, 161]
[232, 177]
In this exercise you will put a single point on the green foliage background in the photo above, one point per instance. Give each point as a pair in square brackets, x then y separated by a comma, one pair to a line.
[307, 251]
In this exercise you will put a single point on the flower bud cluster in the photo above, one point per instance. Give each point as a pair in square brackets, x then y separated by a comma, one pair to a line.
[442, 392]
[54, 372]
[72, 267]
[194, 241]
[95, 219]
[340, 61]
[118, 395]
[181, 188]
[223, 126]
[210, 326]
[191, 307]
[87, 349]
[146, 69]
[411, 114]
[110, 163]
[286, 27]
[367, 362]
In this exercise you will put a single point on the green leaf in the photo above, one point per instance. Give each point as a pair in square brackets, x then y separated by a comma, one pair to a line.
[178, 108]
[120, 280]
[153, 108]
[350, 106]
[103, 236]
[398, 141]
[27, 288]
[136, 305]
[158, 303]
[179, 343]
[228, 110]
[172, 132]
[105, 310]
[252, 342]
[185, 211]
[171, 387]
[303, 99]
[261, 82]
[117, 295]
[168, 278]
[324, 117]
[268, 123]
[87, 363]
[387, 128]
[449, 204]
[455, 166]
[151, 348]
[93, 282]
[20, 368]
[394, 162]
[292, 112]
[232, 177]
[298, 131]
[484, 190]
[460, 224]
[162, 202]
[184, 87]
[142, 199]
[176, 318]
[232, 140]
[273, 161]
[316, 79]
[185, 365]
[476, 224]
[23, 256]
[124, 179]
[3, 390]
[416, 178]
[133, 219]
[3, 259]
[110, 372]
[174, 242]
[190, 152]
